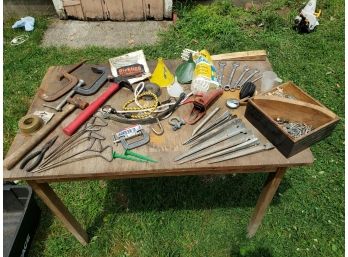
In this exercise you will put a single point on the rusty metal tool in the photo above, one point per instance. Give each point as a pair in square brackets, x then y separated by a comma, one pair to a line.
[81, 90]
[97, 84]
[60, 106]
[53, 78]
[11, 160]
[73, 68]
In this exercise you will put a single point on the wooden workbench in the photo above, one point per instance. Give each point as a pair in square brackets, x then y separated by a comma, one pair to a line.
[161, 148]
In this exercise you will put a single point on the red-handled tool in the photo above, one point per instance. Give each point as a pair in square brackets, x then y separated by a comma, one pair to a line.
[94, 106]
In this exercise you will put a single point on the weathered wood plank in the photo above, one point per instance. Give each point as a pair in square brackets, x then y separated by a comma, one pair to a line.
[162, 148]
[257, 55]
[114, 10]
[74, 9]
[154, 9]
[133, 10]
[49, 197]
[93, 9]
[269, 189]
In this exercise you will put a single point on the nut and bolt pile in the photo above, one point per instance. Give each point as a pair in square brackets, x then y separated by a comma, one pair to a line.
[294, 129]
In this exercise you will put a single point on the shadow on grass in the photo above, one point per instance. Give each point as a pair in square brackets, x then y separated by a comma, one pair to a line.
[259, 252]
[188, 192]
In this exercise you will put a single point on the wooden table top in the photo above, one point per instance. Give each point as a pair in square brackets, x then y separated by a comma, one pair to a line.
[161, 148]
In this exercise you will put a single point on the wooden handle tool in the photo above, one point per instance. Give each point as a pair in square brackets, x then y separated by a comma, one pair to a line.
[11, 160]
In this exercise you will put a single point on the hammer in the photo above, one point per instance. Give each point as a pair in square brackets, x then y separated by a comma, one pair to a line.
[11, 160]
[116, 84]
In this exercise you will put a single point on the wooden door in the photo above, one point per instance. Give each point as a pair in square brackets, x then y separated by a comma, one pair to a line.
[118, 10]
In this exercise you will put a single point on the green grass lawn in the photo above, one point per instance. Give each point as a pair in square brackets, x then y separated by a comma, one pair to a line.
[201, 216]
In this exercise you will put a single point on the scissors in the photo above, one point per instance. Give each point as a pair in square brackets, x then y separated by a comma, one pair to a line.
[39, 154]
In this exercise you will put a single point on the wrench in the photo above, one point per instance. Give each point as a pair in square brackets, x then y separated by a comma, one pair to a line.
[233, 71]
[256, 79]
[245, 70]
[221, 71]
[250, 76]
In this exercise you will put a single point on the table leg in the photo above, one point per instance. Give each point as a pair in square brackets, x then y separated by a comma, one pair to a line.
[265, 198]
[49, 197]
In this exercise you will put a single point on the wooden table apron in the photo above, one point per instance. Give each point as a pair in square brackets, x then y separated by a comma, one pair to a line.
[162, 148]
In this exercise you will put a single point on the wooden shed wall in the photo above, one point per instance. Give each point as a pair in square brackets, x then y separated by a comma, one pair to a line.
[118, 10]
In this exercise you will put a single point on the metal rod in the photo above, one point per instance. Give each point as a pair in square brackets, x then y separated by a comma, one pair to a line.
[205, 121]
[226, 116]
[232, 124]
[247, 144]
[236, 141]
[256, 149]
[215, 140]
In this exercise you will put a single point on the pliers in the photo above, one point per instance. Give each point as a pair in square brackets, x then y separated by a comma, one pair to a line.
[40, 155]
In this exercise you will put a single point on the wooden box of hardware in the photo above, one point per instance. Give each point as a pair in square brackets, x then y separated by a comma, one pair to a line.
[271, 111]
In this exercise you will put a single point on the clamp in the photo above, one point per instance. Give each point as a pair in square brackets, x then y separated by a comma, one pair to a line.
[130, 133]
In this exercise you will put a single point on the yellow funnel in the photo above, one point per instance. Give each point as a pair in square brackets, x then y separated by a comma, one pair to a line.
[161, 75]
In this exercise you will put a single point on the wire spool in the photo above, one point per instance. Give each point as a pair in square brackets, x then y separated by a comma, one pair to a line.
[30, 123]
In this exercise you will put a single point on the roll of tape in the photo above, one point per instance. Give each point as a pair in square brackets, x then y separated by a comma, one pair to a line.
[30, 123]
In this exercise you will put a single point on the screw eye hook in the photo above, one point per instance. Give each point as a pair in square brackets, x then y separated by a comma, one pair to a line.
[161, 130]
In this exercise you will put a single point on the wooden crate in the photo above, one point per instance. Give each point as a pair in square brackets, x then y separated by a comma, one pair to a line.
[262, 110]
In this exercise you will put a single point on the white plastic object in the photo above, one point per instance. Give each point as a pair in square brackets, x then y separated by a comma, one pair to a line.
[269, 79]
[175, 89]
[26, 22]
[309, 13]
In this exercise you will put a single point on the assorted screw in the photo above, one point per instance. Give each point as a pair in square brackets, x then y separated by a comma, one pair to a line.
[294, 129]
[280, 93]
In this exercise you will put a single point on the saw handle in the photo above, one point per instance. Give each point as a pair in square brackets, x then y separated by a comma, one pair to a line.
[90, 110]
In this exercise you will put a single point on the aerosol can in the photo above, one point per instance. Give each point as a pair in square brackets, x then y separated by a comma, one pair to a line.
[307, 20]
